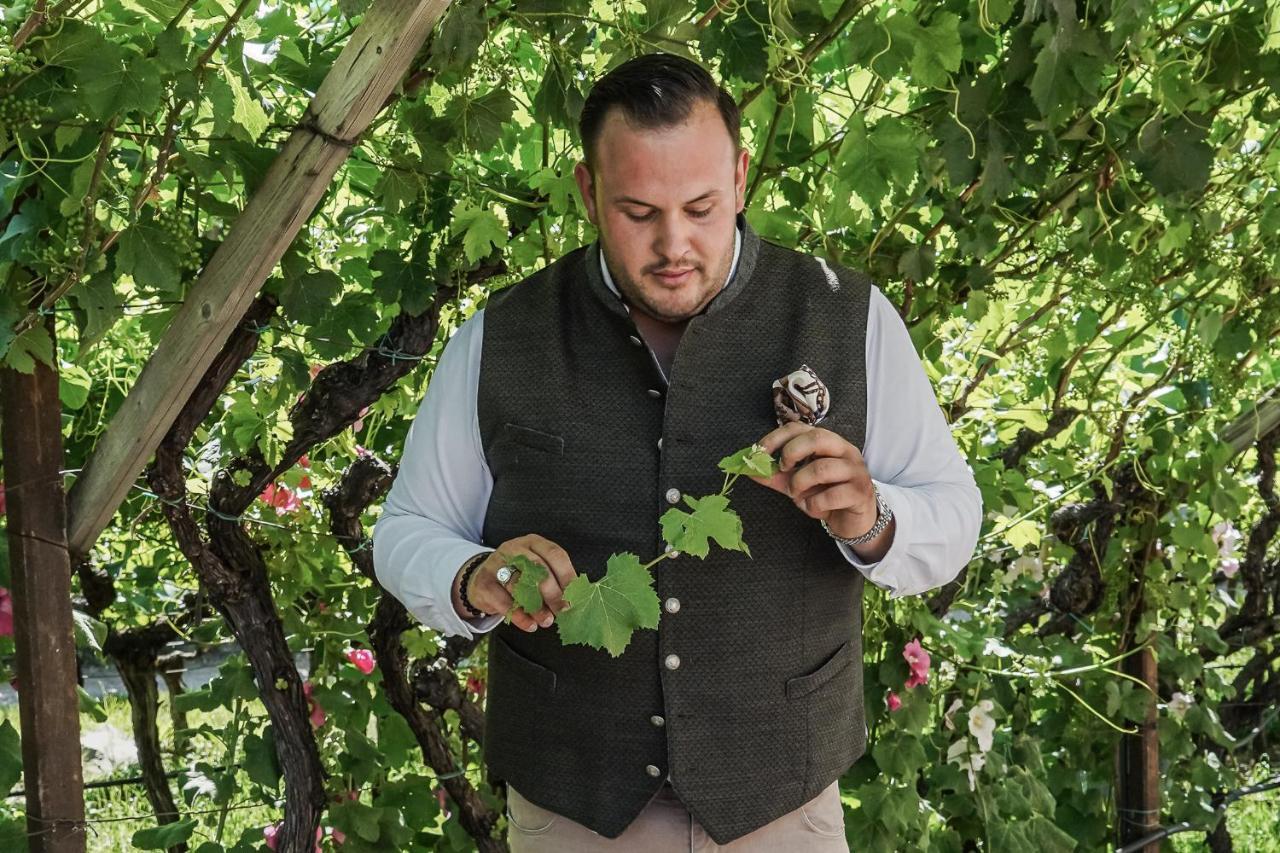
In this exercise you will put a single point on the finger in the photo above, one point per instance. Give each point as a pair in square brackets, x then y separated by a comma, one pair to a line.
[562, 573]
[543, 616]
[780, 436]
[820, 473]
[814, 442]
[830, 499]
[504, 603]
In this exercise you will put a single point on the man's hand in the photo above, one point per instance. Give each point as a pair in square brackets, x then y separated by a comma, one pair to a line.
[824, 475]
[488, 595]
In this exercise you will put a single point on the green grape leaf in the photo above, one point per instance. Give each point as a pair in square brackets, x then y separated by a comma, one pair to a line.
[751, 460]
[525, 591]
[146, 253]
[483, 229]
[32, 345]
[606, 612]
[164, 836]
[711, 519]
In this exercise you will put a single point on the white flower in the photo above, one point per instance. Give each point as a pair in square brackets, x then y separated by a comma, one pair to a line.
[981, 724]
[1211, 758]
[1180, 703]
[968, 760]
[1226, 536]
[1229, 566]
[946, 718]
[946, 671]
[1029, 565]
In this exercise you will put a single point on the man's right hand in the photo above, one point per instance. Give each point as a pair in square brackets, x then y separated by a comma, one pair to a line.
[485, 593]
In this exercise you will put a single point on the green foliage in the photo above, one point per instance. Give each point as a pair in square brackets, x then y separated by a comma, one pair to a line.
[1074, 209]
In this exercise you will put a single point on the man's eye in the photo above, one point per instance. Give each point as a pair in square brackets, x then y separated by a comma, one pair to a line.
[696, 214]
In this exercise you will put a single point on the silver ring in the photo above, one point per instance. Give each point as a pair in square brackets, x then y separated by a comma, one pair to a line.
[504, 574]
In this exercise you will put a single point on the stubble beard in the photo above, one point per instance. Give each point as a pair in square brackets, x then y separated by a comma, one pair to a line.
[637, 297]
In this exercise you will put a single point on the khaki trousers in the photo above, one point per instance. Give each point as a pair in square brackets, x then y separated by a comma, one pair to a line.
[665, 826]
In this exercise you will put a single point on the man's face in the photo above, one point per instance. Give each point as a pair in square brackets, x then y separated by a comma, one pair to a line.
[666, 201]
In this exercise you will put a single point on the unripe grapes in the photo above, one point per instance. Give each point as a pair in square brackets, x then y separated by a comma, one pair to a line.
[16, 111]
[14, 62]
[182, 236]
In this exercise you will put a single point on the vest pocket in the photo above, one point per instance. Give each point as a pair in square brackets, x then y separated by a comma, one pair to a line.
[511, 661]
[531, 437]
[801, 685]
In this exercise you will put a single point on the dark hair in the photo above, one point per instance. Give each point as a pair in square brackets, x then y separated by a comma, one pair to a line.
[654, 90]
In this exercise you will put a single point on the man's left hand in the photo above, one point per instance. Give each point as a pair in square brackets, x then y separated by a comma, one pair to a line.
[824, 475]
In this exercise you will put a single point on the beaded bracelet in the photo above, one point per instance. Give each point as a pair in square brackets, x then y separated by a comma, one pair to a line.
[467, 571]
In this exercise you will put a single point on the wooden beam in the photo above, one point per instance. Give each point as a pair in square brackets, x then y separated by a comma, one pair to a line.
[40, 575]
[1138, 788]
[371, 65]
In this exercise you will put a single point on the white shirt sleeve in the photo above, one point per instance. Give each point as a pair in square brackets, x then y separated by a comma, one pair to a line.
[432, 517]
[914, 461]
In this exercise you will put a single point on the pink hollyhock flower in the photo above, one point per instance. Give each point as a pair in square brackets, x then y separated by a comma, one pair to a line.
[363, 659]
[1229, 566]
[893, 701]
[918, 659]
[281, 498]
[270, 833]
[443, 799]
[475, 685]
[317, 711]
[339, 837]
[360, 451]
[359, 424]
[6, 613]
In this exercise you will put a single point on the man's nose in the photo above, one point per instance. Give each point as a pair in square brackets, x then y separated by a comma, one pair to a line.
[673, 242]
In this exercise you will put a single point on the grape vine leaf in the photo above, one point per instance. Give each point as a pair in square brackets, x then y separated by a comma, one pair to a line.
[606, 612]
[751, 460]
[711, 519]
[525, 591]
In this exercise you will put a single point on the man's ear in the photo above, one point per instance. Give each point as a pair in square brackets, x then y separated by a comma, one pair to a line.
[586, 188]
[740, 178]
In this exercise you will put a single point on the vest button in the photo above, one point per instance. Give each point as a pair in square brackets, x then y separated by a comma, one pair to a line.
[673, 661]
[659, 444]
[635, 340]
[652, 770]
[654, 392]
[673, 496]
[672, 605]
[656, 720]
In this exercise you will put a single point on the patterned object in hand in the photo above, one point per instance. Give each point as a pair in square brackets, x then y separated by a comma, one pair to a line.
[801, 396]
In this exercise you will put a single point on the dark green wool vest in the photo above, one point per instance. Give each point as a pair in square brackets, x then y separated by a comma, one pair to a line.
[750, 692]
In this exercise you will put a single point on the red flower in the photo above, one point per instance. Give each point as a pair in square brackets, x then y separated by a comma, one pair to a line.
[6, 613]
[475, 685]
[918, 659]
[304, 461]
[281, 498]
[363, 659]
[317, 711]
[270, 833]
[893, 701]
[443, 799]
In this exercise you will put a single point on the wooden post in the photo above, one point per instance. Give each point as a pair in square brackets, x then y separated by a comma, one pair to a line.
[1138, 788]
[371, 65]
[40, 571]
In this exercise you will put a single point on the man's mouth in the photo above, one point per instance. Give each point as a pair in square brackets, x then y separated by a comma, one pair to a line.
[676, 277]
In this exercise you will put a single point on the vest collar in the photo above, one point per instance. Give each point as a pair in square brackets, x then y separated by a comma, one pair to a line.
[747, 254]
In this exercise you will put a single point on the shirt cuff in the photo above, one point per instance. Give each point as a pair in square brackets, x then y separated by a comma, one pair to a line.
[881, 572]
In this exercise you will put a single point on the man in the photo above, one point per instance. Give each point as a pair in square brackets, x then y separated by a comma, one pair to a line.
[581, 403]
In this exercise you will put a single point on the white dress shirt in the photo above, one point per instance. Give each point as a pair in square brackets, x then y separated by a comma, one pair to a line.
[433, 515]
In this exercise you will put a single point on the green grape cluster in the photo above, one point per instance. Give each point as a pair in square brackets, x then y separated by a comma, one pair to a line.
[16, 111]
[182, 233]
[14, 62]
[54, 257]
